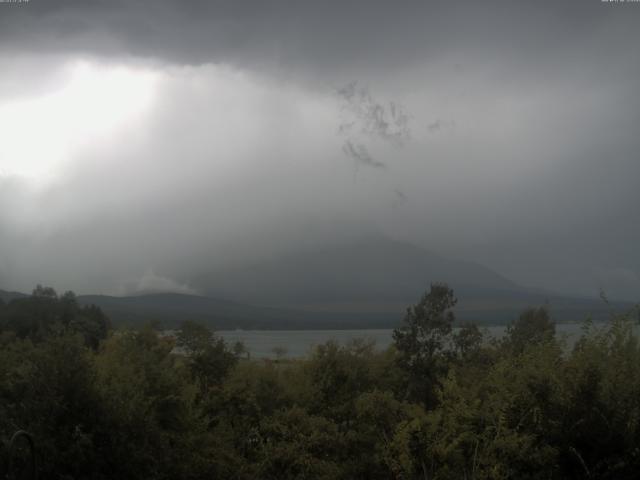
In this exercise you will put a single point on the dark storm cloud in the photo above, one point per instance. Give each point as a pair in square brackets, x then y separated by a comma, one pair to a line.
[289, 34]
[523, 151]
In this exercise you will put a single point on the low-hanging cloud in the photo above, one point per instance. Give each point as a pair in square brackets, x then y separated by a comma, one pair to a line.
[237, 156]
[152, 283]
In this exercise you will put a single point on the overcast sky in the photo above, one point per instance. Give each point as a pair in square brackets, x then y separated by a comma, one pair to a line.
[142, 140]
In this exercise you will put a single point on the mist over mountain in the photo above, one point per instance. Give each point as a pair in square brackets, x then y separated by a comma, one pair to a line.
[8, 296]
[369, 270]
[501, 133]
[225, 142]
[355, 282]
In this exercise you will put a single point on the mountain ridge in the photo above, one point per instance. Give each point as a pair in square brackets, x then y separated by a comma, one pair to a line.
[365, 284]
[372, 270]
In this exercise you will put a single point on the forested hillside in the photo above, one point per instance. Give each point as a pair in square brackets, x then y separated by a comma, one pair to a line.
[131, 404]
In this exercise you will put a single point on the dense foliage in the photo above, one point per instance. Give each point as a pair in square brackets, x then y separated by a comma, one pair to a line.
[442, 403]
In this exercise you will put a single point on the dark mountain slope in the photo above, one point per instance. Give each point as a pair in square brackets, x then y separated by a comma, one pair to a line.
[376, 270]
[8, 296]
[365, 284]
[170, 309]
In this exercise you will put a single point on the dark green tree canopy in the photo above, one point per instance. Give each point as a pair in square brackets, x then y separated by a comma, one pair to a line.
[440, 403]
[424, 339]
[533, 326]
[209, 357]
[45, 313]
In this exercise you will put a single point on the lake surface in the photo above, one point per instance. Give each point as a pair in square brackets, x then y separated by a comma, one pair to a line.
[299, 343]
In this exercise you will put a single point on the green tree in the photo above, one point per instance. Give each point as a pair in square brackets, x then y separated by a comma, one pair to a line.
[209, 357]
[338, 375]
[533, 326]
[152, 428]
[423, 341]
[49, 389]
[44, 314]
[296, 446]
[468, 340]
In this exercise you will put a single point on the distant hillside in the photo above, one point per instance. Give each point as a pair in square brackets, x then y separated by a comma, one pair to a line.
[492, 306]
[368, 284]
[375, 279]
[487, 307]
[376, 270]
[170, 309]
[8, 296]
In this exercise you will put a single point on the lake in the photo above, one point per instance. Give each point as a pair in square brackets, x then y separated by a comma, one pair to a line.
[299, 343]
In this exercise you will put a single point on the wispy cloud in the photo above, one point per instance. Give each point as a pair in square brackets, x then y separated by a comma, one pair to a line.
[364, 119]
[152, 283]
[366, 115]
[360, 154]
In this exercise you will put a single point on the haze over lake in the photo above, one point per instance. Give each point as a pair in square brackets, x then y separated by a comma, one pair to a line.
[299, 343]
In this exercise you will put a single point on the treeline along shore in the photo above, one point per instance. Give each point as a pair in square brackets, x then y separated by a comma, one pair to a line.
[438, 403]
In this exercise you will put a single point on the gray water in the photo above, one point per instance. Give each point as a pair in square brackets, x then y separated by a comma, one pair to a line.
[299, 343]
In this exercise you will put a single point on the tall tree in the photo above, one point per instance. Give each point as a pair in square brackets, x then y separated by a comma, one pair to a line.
[423, 339]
